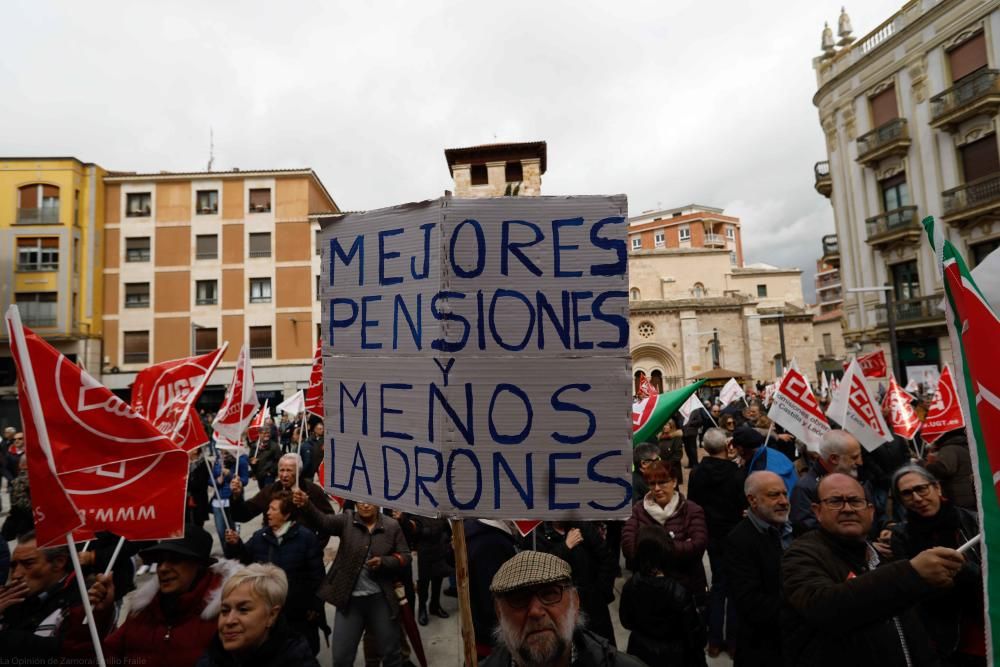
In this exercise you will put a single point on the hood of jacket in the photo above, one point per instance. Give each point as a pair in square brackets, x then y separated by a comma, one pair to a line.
[211, 598]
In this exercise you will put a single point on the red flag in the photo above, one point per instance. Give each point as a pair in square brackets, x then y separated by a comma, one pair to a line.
[525, 526]
[314, 394]
[794, 407]
[902, 417]
[945, 413]
[872, 365]
[253, 430]
[166, 393]
[117, 471]
[241, 401]
[646, 387]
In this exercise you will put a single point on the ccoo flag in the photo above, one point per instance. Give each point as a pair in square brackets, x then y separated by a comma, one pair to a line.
[650, 414]
[974, 328]
[794, 407]
[856, 410]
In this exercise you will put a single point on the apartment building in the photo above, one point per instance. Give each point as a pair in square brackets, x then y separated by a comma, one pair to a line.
[194, 259]
[909, 116]
[51, 225]
[691, 226]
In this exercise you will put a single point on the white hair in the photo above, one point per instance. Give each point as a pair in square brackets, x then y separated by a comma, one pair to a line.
[715, 441]
[291, 456]
[835, 442]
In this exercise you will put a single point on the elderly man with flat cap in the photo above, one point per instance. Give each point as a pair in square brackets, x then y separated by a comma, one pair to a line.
[539, 613]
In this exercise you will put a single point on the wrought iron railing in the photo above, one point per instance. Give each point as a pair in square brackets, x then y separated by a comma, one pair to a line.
[968, 90]
[882, 135]
[972, 195]
[902, 218]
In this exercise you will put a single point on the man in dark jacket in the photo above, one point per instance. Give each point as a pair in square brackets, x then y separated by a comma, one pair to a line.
[717, 486]
[753, 567]
[312, 453]
[539, 613]
[264, 462]
[489, 543]
[691, 429]
[841, 607]
[951, 463]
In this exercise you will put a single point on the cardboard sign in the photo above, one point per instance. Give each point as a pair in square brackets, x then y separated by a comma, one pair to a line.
[475, 357]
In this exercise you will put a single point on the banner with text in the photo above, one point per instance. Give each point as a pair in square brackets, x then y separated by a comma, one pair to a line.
[475, 357]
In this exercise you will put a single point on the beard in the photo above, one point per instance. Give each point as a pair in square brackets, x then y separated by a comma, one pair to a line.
[542, 648]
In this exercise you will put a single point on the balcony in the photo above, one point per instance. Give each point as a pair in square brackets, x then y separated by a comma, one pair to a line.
[972, 200]
[824, 184]
[977, 93]
[888, 140]
[898, 226]
[829, 296]
[260, 352]
[48, 215]
[831, 250]
[715, 240]
[923, 310]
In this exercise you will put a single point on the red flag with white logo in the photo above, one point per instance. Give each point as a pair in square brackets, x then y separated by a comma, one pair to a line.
[873, 365]
[856, 410]
[945, 411]
[253, 431]
[240, 403]
[902, 417]
[646, 387]
[314, 394]
[794, 407]
[118, 472]
[165, 394]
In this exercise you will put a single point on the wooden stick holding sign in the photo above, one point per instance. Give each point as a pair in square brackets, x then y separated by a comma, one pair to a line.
[464, 600]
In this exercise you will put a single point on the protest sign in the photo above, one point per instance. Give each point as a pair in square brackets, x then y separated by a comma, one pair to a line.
[475, 357]
[856, 410]
[794, 407]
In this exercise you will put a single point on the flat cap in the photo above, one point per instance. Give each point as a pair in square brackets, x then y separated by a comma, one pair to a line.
[530, 568]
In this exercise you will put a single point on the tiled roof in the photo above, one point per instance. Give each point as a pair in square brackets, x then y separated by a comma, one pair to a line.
[524, 148]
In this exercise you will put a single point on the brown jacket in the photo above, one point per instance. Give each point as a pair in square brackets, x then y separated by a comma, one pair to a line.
[385, 540]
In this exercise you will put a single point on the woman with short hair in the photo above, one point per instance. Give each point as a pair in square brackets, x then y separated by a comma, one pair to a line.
[251, 626]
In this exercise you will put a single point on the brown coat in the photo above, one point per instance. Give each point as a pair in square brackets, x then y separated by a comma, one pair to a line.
[385, 540]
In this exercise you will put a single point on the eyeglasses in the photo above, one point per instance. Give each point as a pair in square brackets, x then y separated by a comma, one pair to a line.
[920, 489]
[839, 502]
[646, 462]
[547, 595]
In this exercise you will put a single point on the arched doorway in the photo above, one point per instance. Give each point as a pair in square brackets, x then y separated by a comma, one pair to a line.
[659, 365]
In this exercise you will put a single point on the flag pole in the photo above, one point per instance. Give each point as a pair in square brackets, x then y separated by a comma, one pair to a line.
[211, 476]
[462, 583]
[770, 429]
[88, 610]
[201, 385]
[709, 413]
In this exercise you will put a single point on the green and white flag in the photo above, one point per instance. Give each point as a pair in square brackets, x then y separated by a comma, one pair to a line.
[974, 329]
[651, 413]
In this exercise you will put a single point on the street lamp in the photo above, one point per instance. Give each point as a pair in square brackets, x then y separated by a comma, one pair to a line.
[714, 333]
[890, 309]
[781, 334]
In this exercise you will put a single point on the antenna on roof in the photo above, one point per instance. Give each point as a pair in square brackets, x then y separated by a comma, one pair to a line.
[211, 147]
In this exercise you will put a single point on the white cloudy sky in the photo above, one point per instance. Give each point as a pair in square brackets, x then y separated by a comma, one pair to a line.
[668, 101]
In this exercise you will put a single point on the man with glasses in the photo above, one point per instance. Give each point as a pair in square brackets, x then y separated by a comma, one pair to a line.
[643, 455]
[841, 605]
[539, 618]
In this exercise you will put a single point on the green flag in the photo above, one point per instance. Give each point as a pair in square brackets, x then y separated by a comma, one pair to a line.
[651, 413]
[974, 329]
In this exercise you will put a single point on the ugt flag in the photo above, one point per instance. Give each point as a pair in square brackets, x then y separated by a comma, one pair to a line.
[856, 410]
[873, 365]
[240, 403]
[945, 411]
[794, 407]
[116, 470]
[974, 329]
[650, 414]
[902, 417]
[314, 394]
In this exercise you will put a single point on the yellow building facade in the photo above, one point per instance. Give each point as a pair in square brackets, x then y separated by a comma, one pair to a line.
[51, 258]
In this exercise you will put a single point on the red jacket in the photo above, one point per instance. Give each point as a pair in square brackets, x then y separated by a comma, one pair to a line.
[690, 538]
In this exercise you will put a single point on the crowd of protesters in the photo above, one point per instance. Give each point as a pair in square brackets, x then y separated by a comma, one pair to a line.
[767, 552]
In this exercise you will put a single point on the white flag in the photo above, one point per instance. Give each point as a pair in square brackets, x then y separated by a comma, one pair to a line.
[240, 404]
[794, 407]
[294, 405]
[731, 392]
[824, 385]
[912, 387]
[856, 410]
[692, 405]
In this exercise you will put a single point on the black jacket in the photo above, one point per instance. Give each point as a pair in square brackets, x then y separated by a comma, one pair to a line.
[838, 612]
[36, 630]
[592, 651]
[946, 611]
[433, 542]
[283, 648]
[717, 486]
[753, 569]
[488, 548]
[952, 465]
[665, 623]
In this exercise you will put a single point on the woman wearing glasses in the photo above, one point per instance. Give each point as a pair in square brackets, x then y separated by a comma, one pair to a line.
[953, 617]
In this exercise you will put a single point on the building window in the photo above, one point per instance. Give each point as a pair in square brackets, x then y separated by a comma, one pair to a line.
[828, 344]
[317, 287]
[205, 340]
[136, 344]
[513, 172]
[905, 280]
[208, 202]
[761, 291]
[634, 294]
[260, 342]
[884, 107]
[980, 251]
[38, 254]
[319, 331]
[646, 329]
[479, 175]
[979, 159]
[138, 204]
[968, 57]
[38, 309]
[260, 200]
[137, 295]
[206, 246]
[779, 368]
[137, 249]
[319, 244]
[260, 290]
[677, 214]
[731, 233]
[38, 204]
[732, 257]
[206, 292]
[76, 208]
[895, 193]
[76, 255]
[260, 244]
[685, 233]
[636, 243]
[659, 238]
[698, 290]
